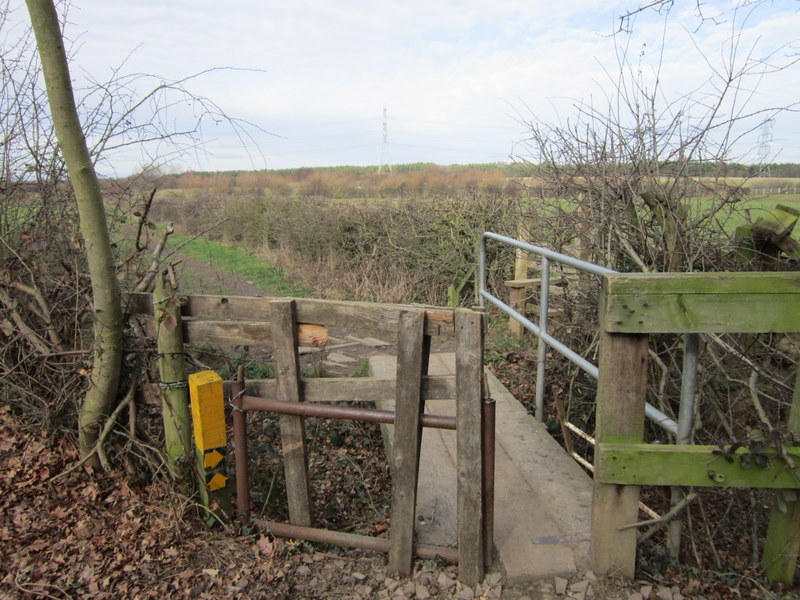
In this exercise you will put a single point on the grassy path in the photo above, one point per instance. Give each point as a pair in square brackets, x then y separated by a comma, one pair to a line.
[214, 268]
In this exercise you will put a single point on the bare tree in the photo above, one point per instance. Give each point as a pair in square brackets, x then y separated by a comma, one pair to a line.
[106, 300]
[59, 281]
[636, 164]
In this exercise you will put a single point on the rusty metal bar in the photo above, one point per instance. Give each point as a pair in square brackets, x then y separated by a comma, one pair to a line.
[240, 448]
[351, 540]
[309, 409]
[488, 433]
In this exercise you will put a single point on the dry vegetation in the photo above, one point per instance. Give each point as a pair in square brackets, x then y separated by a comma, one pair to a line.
[407, 249]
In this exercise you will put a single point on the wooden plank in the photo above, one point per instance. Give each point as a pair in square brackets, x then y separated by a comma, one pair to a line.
[782, 545]
[469, 374]
[619, 418]
[702, 302]
[407, 439]
[379, 317]
[237, 333]
[244, 308]
[230, 333]
[329, 313]
[556, 286]
[650, 464]
[287, 376]
[725, 313]
[669, 284]
[522, 283]
[334, 389]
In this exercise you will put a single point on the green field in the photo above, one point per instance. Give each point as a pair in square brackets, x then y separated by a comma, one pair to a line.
[762, 206]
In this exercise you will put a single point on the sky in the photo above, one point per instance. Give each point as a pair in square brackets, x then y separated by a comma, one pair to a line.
[459, 81]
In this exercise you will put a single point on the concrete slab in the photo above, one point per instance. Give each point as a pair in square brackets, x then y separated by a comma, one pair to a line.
[542, 497]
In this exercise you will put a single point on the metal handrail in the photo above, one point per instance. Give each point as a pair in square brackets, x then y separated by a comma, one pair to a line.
[680, 429]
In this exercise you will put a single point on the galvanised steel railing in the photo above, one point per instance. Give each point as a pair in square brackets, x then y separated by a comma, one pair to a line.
[681, 429]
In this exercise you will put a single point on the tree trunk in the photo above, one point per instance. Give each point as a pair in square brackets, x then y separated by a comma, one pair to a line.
[104, 380]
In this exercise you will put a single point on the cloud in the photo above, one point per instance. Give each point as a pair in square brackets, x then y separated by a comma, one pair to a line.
[454, 76]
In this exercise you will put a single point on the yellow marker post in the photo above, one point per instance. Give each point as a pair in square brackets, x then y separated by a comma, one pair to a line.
[208, 409]
[208, 416]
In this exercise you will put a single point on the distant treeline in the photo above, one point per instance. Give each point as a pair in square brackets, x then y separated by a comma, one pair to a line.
[399, 180]
[354, 182]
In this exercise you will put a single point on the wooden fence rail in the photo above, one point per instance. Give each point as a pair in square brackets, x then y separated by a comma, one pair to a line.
[631, 308]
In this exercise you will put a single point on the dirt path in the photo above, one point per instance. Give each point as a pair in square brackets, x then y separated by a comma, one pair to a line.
[204, 279]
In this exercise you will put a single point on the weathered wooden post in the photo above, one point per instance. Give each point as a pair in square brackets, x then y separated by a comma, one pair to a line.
[519, 286]
[783, 536]
[172, 372]
[411, 366]
[619, 418]
[469, 400]
[287, 374]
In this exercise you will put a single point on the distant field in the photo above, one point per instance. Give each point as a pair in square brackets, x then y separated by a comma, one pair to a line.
[762, 198]
[762, 185]
[761, 206]
[756, 206]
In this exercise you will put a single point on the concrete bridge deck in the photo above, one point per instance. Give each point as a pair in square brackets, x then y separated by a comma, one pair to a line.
[542, 497]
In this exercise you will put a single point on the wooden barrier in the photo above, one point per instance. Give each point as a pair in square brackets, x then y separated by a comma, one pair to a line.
[633, 306]
[284, 324]
[412, 362]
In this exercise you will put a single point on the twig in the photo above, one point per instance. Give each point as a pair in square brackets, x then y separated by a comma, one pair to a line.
[150, 274]
[348, 558]
[27, 333]
[143, 219]
[763, 416]
[720, 342]
[717, 560]
[662, 520]
[696, 553]
[160, 465]
[26, 589]
[107, 427]
[67, 353]
[632, 254]
[756, 402]
[216, 517]
[45, 313]
[269, 493]
[662, 384]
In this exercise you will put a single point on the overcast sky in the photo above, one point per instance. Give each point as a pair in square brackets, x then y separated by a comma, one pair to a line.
[457, 78]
